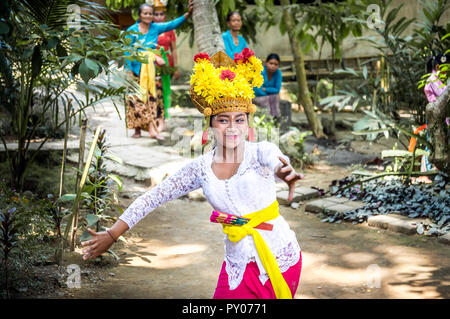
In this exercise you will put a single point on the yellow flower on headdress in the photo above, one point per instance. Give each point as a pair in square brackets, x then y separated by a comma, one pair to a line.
[235, 81]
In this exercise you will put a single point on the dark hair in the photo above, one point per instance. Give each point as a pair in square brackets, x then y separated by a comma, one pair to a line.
[232, 13]
[273, 56]
[142, 6]
[441, 58]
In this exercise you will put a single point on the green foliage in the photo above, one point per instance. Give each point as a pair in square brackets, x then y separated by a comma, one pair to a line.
[32, 232]
[99, 183]
[406, 55]
[392, 87]
[8, 239]
[265, 124]
[41, 57]
[98, 194]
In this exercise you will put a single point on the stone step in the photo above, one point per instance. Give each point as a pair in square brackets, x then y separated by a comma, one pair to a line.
[333, 205]
[300, 194]
[403, 224]
[394, 222]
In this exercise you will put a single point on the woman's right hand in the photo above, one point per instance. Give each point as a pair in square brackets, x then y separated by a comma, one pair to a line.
[96, 246]
[190, 8]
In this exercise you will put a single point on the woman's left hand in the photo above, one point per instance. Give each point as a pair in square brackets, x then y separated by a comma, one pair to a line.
[287, 173]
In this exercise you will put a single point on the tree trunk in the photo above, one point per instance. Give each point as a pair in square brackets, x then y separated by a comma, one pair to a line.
[208, 36]
[439, 133]
[297, 52]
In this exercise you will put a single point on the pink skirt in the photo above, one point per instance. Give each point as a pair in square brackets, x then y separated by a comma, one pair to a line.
[251, 287]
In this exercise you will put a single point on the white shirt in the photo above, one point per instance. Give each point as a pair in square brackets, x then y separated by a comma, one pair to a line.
[251, 189]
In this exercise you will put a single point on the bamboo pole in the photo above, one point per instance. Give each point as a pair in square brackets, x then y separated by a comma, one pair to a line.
[76, 205]
[58, 253]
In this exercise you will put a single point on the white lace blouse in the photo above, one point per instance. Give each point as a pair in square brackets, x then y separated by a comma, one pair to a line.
[251, 189]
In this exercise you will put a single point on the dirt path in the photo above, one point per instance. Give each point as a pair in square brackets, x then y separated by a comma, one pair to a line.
[177, 253]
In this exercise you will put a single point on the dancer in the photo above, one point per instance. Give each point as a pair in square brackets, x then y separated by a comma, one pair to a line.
[142, 114]
[234, 43]
[268, 95]
[262, 256]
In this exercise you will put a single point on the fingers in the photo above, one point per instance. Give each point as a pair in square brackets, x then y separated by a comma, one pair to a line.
[291, 191]
[90, 252]
[286, 169]
[87, 243]
[91, 231]
[293, 176]
[283, 161]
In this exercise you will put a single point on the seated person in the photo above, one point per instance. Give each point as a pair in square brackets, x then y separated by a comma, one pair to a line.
[268, 95]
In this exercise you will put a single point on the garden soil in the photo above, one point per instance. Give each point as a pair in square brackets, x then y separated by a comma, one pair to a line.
[175, 252]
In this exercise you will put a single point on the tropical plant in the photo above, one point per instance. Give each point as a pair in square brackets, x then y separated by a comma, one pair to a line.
[333, 22]
[41, 57]
[99, 190]
[405, 56]
[291, 20]
[95, 192]
[8, 239]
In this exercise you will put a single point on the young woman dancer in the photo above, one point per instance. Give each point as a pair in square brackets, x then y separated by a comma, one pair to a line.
[262, 256]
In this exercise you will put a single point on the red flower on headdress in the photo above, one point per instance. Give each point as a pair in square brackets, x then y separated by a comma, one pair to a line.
[201, 55]
[243, 56]
[227, 74]
[247, 53]
[238, 57]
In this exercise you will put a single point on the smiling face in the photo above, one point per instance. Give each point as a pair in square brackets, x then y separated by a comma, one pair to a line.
[159, 15]
[235, 22]
[229, 128]
[146, 15]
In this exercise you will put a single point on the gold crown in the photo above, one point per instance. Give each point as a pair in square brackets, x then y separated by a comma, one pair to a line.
[159, 4]
[221, 61]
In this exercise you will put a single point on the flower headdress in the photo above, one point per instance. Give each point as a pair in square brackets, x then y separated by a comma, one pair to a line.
[220, 84]
[158, 4]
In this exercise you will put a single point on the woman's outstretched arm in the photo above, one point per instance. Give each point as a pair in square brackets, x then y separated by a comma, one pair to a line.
[185, 180]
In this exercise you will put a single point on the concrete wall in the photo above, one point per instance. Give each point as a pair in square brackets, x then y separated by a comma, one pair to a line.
[275, 42]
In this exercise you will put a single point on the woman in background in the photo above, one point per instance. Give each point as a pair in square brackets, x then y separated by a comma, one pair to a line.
[142, 114]
[166, 40]
[268, 95]
[234, 43]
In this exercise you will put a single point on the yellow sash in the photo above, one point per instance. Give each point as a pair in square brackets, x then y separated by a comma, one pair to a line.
[147, 77]
[236, 233]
